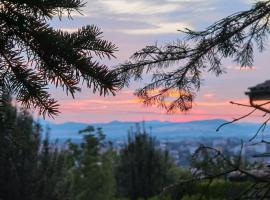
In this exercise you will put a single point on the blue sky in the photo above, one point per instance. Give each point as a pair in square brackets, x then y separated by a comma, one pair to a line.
[132, 25]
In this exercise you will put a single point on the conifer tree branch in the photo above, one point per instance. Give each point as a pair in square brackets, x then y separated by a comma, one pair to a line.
[232, 37]
[40, 55]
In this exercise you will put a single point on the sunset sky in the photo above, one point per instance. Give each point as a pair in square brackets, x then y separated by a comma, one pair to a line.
[132, 25]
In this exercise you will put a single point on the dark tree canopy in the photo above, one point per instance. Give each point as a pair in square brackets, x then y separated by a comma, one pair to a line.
[33, 166]
[33, 55]
[30, 168]
[234, 37]
[143, 170]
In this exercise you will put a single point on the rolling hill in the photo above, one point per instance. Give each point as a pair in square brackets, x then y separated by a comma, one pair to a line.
[117, 130]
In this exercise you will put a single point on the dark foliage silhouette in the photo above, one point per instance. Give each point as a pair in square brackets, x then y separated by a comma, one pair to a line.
[33, 55]
[30, 167]
[143, 170]
[234, 37]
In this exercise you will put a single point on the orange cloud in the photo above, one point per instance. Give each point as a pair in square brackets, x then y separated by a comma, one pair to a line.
[174, 93]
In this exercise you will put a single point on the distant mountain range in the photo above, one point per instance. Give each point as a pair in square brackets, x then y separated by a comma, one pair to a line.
[117, 130]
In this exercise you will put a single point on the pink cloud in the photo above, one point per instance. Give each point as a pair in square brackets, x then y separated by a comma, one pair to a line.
[126, 107]
[209, 95]
[239, 68]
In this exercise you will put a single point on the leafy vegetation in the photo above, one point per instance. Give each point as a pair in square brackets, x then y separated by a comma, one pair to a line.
[92, 171]
[30, 167]
[143, 170]
[33, 167]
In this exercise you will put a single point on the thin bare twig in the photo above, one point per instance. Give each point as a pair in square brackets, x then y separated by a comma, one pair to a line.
[261, 128]
[239, 104]
[236, 119]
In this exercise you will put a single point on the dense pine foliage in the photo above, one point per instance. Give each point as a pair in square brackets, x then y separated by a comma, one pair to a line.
[33, 55]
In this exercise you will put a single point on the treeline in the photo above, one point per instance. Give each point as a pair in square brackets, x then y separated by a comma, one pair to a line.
[33, 168]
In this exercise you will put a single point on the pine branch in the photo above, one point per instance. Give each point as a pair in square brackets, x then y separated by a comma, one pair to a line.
[44, 8]
[233, 37]
[30, 89]
[40, 55]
